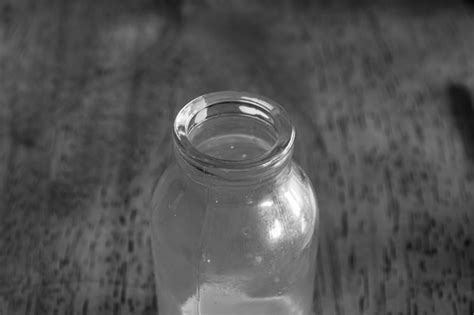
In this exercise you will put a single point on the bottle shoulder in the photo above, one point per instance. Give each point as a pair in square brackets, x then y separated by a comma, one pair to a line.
[175, 173]
[292, 184]
[282, 209]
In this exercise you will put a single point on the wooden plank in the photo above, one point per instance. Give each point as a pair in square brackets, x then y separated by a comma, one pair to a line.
[88, 92]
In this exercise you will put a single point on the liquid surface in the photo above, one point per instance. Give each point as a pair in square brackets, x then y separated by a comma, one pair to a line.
[235, 147]
[233, 138]
[216, 301]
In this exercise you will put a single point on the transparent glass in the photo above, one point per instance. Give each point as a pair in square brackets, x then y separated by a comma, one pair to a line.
[234, 219]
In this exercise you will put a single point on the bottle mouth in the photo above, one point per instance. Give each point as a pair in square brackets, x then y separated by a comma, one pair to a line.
[233, 135]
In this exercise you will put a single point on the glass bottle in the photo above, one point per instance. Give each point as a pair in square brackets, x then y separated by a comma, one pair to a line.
[234, 219]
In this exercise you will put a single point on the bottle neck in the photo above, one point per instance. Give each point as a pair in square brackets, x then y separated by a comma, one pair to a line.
[233, 138]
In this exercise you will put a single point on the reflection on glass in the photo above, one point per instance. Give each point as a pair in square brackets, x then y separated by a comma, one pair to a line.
[276, 230]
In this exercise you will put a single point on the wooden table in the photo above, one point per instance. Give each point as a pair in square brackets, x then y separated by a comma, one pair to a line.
[88, 92]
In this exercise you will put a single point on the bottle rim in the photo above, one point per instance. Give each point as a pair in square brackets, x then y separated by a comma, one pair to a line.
[252, 106]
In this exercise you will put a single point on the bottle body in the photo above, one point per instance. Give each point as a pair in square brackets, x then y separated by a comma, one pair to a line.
[222, 250]
[234, 219]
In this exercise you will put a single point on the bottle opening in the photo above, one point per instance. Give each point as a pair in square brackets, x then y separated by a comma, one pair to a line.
[233, 135]
[232, 132]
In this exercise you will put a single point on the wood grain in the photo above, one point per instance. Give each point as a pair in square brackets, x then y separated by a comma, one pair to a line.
[87, 96]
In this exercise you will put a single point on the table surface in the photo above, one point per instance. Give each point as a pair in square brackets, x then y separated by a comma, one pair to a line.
[88, 93]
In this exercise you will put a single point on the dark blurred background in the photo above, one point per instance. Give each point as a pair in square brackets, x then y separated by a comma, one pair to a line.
[380, 93]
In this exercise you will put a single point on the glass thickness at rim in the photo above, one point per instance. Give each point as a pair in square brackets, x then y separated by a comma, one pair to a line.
[267, 110]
